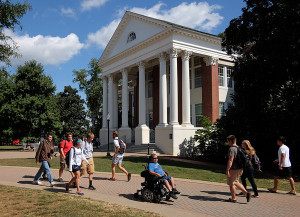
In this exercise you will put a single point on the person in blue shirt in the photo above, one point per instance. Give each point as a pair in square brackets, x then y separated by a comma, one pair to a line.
[156, 169]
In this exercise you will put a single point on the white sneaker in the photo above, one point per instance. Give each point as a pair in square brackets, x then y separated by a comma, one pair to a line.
[37, 182]
[52, 184]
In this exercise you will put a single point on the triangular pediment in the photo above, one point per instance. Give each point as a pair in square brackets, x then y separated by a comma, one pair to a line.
[143, 27]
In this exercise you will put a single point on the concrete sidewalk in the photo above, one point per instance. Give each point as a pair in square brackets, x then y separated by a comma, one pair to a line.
[197, 198]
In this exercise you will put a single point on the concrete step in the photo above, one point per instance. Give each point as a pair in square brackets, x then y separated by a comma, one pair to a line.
[131, 148]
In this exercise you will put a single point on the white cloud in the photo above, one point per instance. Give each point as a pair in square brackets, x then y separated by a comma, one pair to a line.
[47, 50]
[200, 16]
[89, 4]
[69, 12]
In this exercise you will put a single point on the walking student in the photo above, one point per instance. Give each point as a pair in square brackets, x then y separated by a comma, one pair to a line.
[234, 171]
[65, 146]
[76, 156]
[283, 167]
[87, 150]
[118, 159]
[43, 155]
[248, 171]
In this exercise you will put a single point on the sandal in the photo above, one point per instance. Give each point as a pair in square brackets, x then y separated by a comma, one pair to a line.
[230, 200]
[255, 196]
[112, 179]
[292, 193]
[272, 190]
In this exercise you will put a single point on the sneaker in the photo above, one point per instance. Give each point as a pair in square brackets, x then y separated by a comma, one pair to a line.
[129, 177]
[80, 193]
[171, 194]
[92, 187]
[248, 196]
[37, 182]
[60, 179]
[52, 184]
[67, 188]
[175, 191]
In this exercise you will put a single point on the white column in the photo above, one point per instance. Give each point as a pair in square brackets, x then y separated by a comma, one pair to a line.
[163, 100]
[110, 101]
[225, 76]
[124, 98]
[142, 95]
[104, 105]
[115, 103]
[185, 89]
[173, 87]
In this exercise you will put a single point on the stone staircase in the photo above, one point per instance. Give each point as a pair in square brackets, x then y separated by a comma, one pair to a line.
[131, 148]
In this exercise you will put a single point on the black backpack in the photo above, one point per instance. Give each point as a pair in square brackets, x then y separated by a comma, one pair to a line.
[68, 156]
[242, 158]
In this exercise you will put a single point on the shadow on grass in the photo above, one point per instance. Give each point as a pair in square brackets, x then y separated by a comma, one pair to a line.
[56, 190]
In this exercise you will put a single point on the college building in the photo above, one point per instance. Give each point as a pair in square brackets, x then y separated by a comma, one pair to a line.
[159, 78]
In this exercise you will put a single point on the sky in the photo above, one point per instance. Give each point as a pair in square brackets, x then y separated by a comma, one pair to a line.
[64, 35]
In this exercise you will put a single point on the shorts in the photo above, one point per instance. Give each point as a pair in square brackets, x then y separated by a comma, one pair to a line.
[117, 160]
[62, 163]
[286, 172]
[166, 178]
[76, 168]
[234, 176]
[87, 170]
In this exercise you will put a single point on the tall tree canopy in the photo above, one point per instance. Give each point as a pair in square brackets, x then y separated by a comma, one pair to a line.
[72, 112]
[266, 40]
[28, 103]
[10, 15]
[91, 83]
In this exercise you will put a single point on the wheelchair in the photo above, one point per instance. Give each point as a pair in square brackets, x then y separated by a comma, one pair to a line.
[153, 188]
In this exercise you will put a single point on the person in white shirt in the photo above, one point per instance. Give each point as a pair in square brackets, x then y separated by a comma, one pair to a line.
[118, 159]
[284, 166]
[76, 156]
[87, 150]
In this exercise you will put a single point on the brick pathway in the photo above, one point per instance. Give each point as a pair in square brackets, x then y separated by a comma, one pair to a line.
[198, 198]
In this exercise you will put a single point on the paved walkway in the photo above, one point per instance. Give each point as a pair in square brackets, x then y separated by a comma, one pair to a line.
[198, 198]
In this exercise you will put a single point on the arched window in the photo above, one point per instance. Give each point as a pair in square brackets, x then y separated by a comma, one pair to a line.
[131, 37]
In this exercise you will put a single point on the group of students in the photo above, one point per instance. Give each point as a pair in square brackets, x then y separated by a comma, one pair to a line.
[236, 170]
[77, 155]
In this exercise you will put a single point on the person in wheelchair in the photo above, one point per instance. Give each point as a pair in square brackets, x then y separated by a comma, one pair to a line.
[156, 169]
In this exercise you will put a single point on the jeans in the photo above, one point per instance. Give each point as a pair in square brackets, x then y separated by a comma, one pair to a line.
[248, 172]
[44, 167]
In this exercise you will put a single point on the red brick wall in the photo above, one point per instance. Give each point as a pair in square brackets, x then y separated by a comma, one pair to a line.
[210, 91]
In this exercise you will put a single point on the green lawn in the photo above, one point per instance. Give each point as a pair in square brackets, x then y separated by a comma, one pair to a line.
[29, 202]
[10, 148]
[175, 168]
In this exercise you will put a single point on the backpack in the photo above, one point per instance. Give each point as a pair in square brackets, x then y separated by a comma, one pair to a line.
[122, 146]
[242, 158]
[68, 156]
[256, 162]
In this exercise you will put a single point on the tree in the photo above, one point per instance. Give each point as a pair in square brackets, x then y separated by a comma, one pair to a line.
[91, 83]
[28, 103]
[72, 112]
[266, 73]
[10, 14]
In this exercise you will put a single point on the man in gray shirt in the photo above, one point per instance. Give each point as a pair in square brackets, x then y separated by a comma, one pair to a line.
[87, 150]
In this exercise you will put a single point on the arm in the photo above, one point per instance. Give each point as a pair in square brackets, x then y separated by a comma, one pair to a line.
[83, 157]
[154, 173]
[282, 160]
[71, 159]
[229, 164]
[39, 152]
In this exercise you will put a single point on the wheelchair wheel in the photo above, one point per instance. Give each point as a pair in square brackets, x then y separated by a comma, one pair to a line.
[147, 195]
[156, 198]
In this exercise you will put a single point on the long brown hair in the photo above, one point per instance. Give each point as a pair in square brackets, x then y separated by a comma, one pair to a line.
[250, 150]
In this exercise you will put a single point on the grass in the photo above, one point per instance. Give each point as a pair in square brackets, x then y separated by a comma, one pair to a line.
[10, 148]
[175, 168]
[29, 202]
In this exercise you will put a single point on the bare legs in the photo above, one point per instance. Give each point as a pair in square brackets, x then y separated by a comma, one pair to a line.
[291, 180]
[113, 169]
[75, 179]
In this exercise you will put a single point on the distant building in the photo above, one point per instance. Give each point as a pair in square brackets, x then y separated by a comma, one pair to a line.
[171, 76]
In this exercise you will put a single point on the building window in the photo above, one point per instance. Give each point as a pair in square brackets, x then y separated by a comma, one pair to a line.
[198, 77]
[195, 72]
[150, 84]
[198, 114]
[221, 75]
[197, 61]
[131, 37]
[229, 77]
[221, 109]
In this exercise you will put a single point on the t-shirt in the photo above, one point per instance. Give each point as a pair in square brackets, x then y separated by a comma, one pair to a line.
[76, 158]
[66, 145]
[87, 148]
[116, 145]
[155, 167]
[232, 151]
[284, 150]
